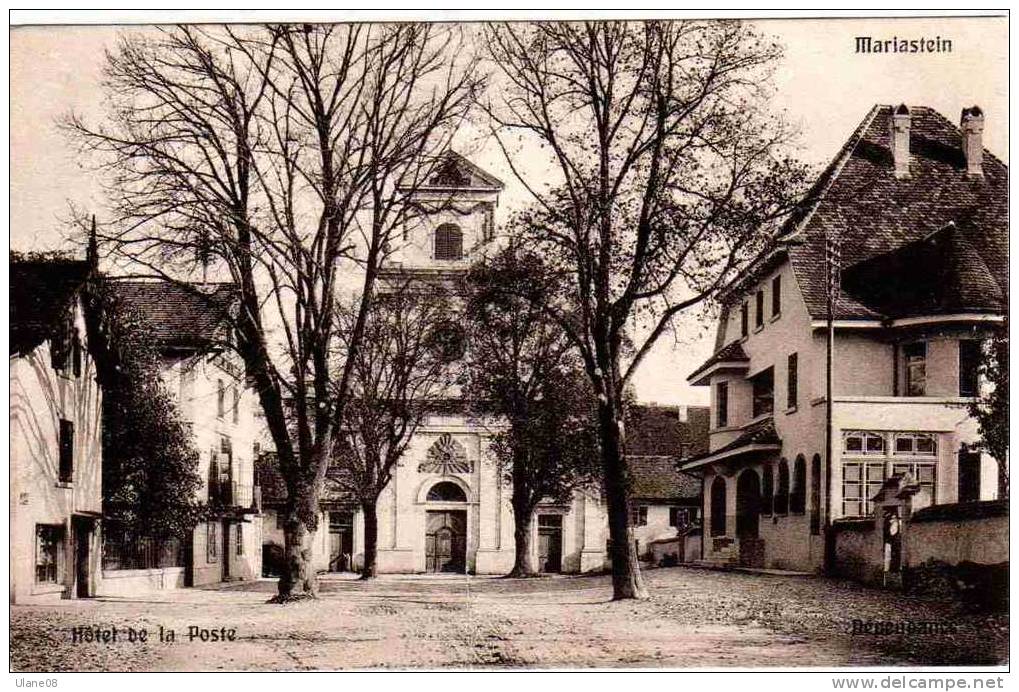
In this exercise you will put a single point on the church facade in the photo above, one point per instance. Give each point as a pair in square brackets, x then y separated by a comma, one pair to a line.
[447, 508]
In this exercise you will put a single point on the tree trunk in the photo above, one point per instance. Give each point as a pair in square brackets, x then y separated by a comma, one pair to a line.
[627, 581]
[523, 565]
[298, 579]
[370, 568]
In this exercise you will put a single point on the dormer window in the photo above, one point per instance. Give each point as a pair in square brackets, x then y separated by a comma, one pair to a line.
[448, 242]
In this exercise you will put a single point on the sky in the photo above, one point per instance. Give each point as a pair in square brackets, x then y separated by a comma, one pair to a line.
[821, 85]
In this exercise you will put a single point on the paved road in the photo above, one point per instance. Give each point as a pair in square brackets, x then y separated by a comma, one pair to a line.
[695, 618]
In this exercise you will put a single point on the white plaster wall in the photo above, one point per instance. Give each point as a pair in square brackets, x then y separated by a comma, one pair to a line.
[39, 398]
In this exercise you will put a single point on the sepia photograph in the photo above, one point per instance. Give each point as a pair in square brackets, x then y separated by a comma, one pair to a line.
[510, 341]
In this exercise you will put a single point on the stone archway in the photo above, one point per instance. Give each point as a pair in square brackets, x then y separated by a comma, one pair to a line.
[748, 518]
[748, 504]
[446, 528]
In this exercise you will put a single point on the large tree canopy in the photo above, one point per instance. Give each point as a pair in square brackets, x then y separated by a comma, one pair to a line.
[664, 171]
[282, 158]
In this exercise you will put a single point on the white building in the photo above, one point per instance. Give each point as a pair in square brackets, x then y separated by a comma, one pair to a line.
[920, 209]
[55, 435]
[190, 326]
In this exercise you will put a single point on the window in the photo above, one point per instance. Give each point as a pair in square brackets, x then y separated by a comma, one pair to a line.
[448, 242]
[718, 506]
[914, 453]
[969, 367]
[916, 444]
[915, 362]
[860, 442]
[763, 392]
[679, 517]
[61, 342]
[448, 341]
[550, 521]
[791, 381]
[237, 404]
[722, 404]
[638, 515]
[49, 553]
[798, 495]
[759, 316]
[212, 541]
[776, 296]
[446, 492]
[861, 481]
[220, 399]
[66, 451]
[240, 538]
[782, 496]
[815, 495]
[768, 490]
[923, 472]
[744, 317]
[281, 520]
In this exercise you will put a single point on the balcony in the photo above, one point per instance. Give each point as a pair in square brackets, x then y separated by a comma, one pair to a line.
[228, 493]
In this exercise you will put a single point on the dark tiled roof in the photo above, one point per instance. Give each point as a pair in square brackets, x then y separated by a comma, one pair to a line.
[760, 433]
[940, 274]
[731, 353]
[274, 490]
[657, 478]
[876, 213]
[655, 438]
[41, 292]
[653, 430]
[179, 316]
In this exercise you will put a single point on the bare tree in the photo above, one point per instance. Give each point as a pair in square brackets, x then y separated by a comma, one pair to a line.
[399, 374]
[655, 172]
[522, 369]
[283, 157]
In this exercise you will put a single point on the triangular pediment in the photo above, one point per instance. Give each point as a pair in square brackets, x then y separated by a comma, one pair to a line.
[455, 172]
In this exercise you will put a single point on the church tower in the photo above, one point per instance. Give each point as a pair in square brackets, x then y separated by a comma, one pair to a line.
[454, 222]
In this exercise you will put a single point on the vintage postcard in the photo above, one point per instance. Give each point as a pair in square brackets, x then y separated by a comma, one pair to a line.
[478, 341]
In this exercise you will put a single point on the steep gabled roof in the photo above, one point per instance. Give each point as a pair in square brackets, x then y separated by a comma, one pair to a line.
[192, 316]
[42, 290]
[876, 213]
[940, 274]
[655, 438]
[653, 430]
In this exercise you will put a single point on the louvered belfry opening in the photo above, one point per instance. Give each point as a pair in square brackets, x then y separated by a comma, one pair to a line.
[448, 242]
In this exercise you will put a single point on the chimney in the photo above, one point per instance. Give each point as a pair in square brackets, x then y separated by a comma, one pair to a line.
[972, 127]
[899, 138]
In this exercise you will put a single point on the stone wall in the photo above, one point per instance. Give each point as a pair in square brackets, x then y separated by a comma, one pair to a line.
[971, 536]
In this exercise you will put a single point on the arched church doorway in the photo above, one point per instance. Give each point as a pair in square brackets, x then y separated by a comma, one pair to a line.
[446, 529]
[748, 513]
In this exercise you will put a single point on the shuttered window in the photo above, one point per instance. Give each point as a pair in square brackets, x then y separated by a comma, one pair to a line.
[448, 242]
